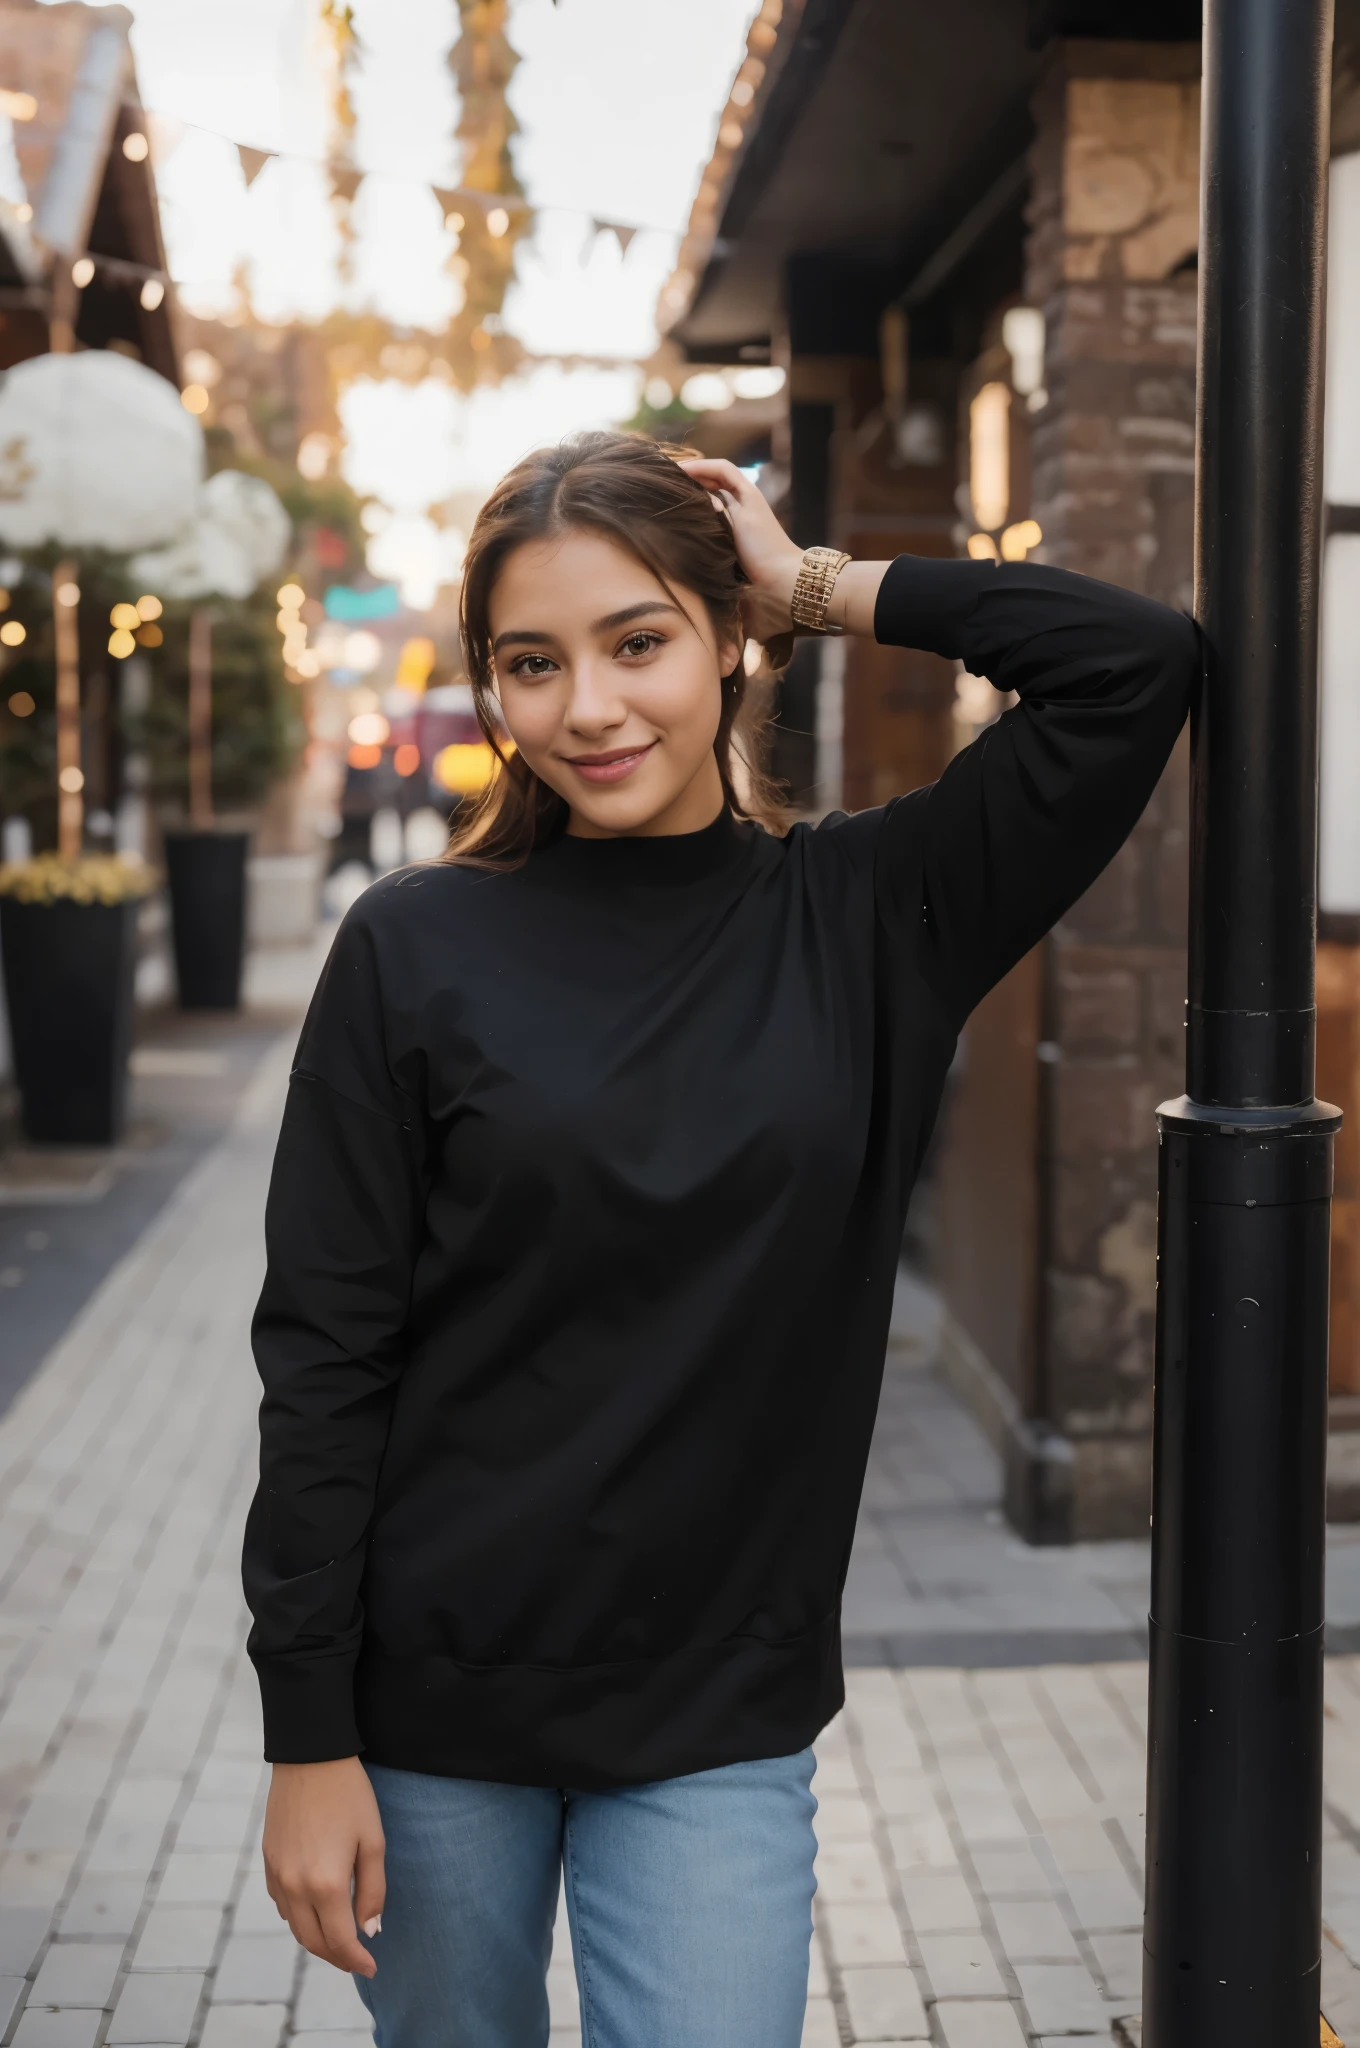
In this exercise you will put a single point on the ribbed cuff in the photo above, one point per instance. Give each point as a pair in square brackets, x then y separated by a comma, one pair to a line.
[308, 1707]
[924, 599]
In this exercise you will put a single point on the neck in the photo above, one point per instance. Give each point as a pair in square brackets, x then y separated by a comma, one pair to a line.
[698, 804]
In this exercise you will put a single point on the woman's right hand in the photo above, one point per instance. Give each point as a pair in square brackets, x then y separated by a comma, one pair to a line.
[323, 1859]
[771, 560]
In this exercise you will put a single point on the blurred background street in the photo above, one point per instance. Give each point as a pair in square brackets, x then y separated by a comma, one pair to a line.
[285, 286]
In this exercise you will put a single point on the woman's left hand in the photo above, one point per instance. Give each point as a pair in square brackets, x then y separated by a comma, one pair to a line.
[768, 556]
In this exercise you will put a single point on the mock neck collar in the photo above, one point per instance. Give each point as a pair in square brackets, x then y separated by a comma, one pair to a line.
[667, 857]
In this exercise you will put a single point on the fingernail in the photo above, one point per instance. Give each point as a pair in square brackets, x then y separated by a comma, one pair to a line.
[373, 1926]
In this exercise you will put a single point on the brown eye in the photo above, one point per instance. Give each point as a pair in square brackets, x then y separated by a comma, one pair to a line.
[641, 643]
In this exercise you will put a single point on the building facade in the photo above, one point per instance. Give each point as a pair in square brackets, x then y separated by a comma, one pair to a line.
[970, 239]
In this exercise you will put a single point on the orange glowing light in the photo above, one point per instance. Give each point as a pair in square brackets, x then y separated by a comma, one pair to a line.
[364, 757]
[465, 769]
[414, 664]
[406, 759]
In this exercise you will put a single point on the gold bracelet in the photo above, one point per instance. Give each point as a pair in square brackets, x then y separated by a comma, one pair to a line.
[817, 575]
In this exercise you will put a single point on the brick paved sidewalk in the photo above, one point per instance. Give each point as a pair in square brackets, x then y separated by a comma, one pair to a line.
[980, 1831]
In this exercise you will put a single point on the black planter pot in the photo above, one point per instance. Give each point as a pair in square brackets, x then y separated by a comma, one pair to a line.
[68, 987]
[207, 876]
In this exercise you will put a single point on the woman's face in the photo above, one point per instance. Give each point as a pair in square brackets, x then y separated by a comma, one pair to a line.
[610, 690]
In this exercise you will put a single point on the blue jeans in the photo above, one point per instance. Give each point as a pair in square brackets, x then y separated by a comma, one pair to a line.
[690, 1903]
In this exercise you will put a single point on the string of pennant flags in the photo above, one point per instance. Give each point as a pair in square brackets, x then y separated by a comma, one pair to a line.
[346, 179]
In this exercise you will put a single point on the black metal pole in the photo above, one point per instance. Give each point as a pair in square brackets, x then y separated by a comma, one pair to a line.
[1233, 1924]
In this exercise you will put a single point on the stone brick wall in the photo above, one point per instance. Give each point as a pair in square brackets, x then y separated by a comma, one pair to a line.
[1113, 229]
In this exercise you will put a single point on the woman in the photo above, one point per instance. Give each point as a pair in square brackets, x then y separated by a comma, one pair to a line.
[582, 1239]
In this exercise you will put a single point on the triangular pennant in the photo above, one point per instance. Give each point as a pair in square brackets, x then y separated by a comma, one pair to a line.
[253, 161]
[612, 227]
[345, 181]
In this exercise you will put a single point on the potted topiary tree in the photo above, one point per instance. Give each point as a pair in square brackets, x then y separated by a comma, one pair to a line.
[238, 537]
[100, 456]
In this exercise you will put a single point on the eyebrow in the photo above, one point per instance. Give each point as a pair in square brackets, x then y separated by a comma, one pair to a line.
[634, 611]
[609, 623]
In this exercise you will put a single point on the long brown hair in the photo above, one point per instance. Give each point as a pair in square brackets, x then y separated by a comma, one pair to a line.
[634, 493]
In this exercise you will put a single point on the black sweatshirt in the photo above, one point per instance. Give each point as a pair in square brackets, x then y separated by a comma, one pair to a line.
[585, 1220]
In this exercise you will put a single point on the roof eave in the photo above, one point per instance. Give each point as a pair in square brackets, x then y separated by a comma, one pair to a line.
[805, 31]
[70, 190]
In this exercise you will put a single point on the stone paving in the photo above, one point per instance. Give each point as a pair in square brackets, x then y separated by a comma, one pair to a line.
[980, 1828]
[937, 1576]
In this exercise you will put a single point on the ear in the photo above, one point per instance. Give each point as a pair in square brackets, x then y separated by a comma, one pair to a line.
[731, 652]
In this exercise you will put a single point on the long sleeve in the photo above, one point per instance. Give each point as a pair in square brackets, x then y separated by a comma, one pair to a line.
[988, 858]
[342, 1228]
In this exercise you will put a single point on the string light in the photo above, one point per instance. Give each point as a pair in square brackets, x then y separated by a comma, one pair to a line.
[13, 634]
[314, 456]
[369, 729]
[125, 615]
[194, 398]
[82, 271]
[149, 607]
[1017, 540]
[22, 705]
[136, 148]
[707, 391]
[469, 198]
[152, 293]
[121, 643]
[298, 663]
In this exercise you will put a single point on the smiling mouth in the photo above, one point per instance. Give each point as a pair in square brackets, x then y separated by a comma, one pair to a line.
[611, 767]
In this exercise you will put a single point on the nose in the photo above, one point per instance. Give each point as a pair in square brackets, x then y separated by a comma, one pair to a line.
[595, 705]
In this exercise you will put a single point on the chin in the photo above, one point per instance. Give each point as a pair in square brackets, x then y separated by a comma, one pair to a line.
[621, 810]
[627, 806]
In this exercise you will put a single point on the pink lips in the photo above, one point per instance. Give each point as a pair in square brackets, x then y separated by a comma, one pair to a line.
[610, 767]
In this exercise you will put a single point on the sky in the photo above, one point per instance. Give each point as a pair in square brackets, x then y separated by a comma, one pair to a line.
[618, 102]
